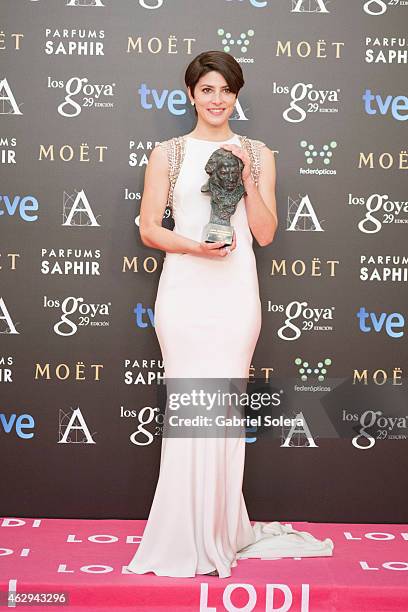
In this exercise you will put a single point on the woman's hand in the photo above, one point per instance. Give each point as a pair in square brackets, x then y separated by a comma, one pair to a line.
[243, 155]
[216, 250]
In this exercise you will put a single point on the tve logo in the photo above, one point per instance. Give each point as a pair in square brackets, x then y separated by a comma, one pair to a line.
[368, 321]
[17, 423]
[172, 99]
[374, 104]
[140, 311]
[24, 207]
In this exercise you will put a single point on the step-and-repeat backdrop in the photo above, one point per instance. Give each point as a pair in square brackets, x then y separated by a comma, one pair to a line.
[87, 88]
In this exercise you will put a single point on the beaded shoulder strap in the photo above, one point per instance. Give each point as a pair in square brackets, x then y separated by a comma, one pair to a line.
[253, 147]
[175, 148]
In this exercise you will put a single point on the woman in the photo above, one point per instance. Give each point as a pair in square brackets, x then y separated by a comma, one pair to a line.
[207, 320]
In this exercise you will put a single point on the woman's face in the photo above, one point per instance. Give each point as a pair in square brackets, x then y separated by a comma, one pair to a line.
[213, 99]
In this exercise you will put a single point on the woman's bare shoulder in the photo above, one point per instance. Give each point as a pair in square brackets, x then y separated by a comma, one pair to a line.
[256, 143]
[160, 150]
[165, 143]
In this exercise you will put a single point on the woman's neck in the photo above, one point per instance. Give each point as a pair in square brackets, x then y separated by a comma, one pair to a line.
[207, 132]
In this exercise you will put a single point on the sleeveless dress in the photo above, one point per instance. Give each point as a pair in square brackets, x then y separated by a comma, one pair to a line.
[207, 320]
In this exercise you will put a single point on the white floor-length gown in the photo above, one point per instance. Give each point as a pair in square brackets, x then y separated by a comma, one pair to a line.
[207, 320]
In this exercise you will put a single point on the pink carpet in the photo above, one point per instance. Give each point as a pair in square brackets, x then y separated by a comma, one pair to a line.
[86, 559]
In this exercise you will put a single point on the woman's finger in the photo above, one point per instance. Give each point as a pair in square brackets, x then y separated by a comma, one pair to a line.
[214, 245]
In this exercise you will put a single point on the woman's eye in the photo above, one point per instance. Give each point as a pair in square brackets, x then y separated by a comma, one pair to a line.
[225, 90]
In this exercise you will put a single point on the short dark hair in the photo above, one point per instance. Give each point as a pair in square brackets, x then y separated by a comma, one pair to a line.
[221, 62]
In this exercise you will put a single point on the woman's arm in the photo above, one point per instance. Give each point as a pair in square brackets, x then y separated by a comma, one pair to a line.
[152, 207]
[260, 202]
[154, 201]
